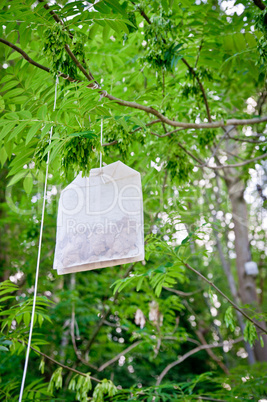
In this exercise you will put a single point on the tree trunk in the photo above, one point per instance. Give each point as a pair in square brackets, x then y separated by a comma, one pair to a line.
[232, 286]
[247, 286]
[231, 282]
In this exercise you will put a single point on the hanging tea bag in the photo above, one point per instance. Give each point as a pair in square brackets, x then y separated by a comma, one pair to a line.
[100, 220]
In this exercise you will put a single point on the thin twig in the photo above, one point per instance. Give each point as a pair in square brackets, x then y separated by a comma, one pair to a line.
[147, 109]
[190, 353]
[143, 13]
[219, 143]
[211, 353]
[234, 155]
[237, 164]
[24, 55]
[180, 293]
[147, 125]
[193, 72]
[189, 153]
[88, 74]
[191, 69]
[247, 140]
[58, 363]
[107, 144]
[167, 134]
[104, 316]
[108, 363]
[77, 352]
[224, 296]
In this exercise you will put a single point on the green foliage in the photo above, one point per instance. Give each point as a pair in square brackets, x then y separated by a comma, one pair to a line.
[56, 38]
[106, 387]
[161, 51]
[261, 25]
[250, 333]
[80, 152]
[55, 381]
[207, 137]
[179, 166]
[229, 319]
[82, 385]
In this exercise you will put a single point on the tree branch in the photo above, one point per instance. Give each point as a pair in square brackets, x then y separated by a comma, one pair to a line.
[215, 124]
[180, 293]
[191, 69]
[259, 4]
[58, 363]
[193, 72]
[54, 15]
[104, 316]
[24, 55]
[211, 354]
[247, 140]
[166, 134]
[237, 164]
[189, 153]
[88, 74]
[147, 109]
[218, 145]
[224, 296]
[134, 131]
[77, 352]
[143, 13]
[188, 354]
[34, 63]
[108, 363]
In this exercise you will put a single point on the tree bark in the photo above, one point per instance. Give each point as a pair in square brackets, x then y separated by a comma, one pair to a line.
[247, 286]
[231, 283]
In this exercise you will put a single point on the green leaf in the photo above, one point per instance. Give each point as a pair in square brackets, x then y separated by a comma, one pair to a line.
[26, 319]
[86, 134]
[185, 240]
[28, 183]
[2, 104]
[25, 114]
[3, 156]
[115, 5]
[33, 130]
[17, 130]
[250, 333]
[115, 26]
[229, 319]
[41, 114]
[9, 85]
[106, 31]
[13, 92]
[6, 129]
[102, 7]
[17, 177]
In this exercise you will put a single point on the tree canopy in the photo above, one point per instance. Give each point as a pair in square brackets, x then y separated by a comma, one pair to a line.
[180, 87]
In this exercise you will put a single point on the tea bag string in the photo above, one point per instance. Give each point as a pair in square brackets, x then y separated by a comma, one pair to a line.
[38, 260]
[101, 142]
[103, 93]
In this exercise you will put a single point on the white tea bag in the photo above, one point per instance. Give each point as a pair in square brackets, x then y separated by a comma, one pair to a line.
[100, 220]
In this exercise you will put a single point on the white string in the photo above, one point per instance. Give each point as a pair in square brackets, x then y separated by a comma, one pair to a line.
[101, 140]
[38, 261]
